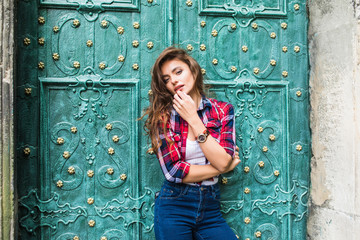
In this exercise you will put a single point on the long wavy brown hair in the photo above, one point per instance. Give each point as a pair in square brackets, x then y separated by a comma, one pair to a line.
[158, 111]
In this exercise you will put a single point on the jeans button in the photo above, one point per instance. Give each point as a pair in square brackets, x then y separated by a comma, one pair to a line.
[202, 189]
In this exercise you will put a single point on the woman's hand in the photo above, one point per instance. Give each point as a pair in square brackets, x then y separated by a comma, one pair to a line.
[235, 161]
[185, 106]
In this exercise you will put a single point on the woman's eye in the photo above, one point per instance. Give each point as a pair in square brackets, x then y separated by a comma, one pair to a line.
[179, 72]
[166, 80]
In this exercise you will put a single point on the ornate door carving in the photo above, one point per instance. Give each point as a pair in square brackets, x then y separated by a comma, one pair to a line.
[83, 79]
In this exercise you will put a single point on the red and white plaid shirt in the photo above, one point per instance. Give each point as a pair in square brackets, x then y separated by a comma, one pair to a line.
[218, 117]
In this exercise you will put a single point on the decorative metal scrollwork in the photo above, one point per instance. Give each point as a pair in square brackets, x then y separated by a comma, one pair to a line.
[295, 201]
[60, 171]
[47, 213]
[131, 210]
[111, 176]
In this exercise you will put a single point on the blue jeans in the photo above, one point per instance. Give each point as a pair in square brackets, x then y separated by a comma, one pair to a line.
[186, 212]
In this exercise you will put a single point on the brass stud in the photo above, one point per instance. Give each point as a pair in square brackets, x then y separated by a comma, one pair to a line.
[27, 41]
[233, 26]
[41, 20]
[71, 170]
[135, 66]
[136, 25]
[41, 65]
[256, 70]
[298, 93]
[150, 45]
[285, 73]
[247, 238]
[121, 58]
[123, 177]
[76, 64]
[150, 92]
[224, 180]
[298, 147]
[246, 169]
[66, 154]
[91, 223]
[247, 220]
[189, 47]
[276, 173]
[284, 49]
[60, 140]
[90, 173]
[73, 129]
[28, 91]
[103, 237]
[273, 35]
[233, 69]
[41, 41]
[296, 7]
[214, 33]
[104, 23]
[115, 138]
[149, 1]
[120, 30]
[108, 126]
[90, 201]
[254, 25]
[59, 184]
[110, 171]
[203, 71]
[244, 48]
[56, 29]
[76, 238]
[261, 164]
[135, 43]
[89, 43]
[247, 190]
[55, 56]
[265, 149]
[284, 25]
[202, 23]
[272, 137]
[189, 3]
[296, 49]
[258, 234]
[111, 151]
[215, 61]
[102, 66]
[260, 129]
[237, 236]
[27, 151]
[272, 62]
[150, 151]
[202, 47]
[76, 23]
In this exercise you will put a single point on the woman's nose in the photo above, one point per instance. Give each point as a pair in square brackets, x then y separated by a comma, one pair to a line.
[174, 81]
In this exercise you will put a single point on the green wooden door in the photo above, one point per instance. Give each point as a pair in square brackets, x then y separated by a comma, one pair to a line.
[83, 78]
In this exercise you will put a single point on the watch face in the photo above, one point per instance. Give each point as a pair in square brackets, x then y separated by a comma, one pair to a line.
[201, 138]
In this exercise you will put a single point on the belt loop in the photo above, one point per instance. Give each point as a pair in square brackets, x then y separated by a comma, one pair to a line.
[186, 188]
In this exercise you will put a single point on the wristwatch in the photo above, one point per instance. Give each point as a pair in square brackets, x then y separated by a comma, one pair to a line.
[201, 138]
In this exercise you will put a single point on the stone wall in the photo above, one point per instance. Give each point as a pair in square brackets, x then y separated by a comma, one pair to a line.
[334, 48]
[6, 119]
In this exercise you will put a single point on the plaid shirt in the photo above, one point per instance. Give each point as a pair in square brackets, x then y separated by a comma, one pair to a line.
[218, 118]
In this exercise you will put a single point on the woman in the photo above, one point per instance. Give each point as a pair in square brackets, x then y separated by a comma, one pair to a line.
[194, 139]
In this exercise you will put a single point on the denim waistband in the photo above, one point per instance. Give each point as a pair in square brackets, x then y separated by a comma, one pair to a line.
[196, 188]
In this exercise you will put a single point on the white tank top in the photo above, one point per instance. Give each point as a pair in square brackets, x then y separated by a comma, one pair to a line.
[194, 155]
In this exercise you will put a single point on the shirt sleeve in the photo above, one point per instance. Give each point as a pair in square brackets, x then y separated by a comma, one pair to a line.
[227, 134]
[170, 159]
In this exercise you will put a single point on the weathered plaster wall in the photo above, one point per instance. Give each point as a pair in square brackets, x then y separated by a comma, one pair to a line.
[6, 119]
[334, 47]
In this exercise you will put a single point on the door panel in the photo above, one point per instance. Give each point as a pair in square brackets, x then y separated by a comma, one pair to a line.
[85, 167]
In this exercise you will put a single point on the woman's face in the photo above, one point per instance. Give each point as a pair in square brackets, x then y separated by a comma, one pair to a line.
[177, 76]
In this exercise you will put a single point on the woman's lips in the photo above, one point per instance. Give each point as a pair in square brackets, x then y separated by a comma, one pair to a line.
[178, 88]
